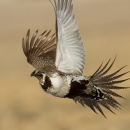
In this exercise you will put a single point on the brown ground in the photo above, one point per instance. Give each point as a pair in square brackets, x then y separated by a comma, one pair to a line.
[105, 29]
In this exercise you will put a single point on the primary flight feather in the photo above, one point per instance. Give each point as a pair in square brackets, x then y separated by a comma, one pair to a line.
[59, 62]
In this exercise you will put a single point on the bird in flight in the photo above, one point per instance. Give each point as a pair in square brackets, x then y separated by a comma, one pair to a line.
[59, 61]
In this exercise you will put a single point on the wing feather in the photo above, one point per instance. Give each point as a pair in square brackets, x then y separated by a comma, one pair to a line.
[38, 49]
[33, 39]
[70, 55]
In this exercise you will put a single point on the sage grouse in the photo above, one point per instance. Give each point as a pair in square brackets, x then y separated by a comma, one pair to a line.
[59, 62]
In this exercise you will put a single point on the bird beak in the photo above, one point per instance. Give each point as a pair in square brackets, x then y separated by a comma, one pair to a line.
[34, 73]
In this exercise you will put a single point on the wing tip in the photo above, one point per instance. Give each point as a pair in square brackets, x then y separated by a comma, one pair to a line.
[28, 32]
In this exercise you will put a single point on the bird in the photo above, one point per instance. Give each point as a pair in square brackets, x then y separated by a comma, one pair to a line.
[59, 60]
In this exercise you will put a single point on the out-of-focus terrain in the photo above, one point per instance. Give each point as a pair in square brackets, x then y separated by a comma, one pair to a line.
[105, 29]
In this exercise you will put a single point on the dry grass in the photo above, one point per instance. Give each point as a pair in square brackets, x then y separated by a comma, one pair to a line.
[105, 29]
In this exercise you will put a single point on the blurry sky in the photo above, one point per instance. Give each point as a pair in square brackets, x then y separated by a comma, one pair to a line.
[104, 26]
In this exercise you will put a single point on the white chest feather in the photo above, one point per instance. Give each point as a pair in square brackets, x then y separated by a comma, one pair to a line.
[56, 82]
[59, 87]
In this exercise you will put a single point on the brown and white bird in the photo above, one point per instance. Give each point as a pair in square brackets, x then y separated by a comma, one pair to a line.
[59, 62]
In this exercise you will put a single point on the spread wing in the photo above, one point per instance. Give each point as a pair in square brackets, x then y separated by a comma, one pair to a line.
[39, 50]
[105, 95]
[70, 54]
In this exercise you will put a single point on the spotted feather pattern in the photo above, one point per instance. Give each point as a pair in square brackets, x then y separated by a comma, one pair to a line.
[40, 52]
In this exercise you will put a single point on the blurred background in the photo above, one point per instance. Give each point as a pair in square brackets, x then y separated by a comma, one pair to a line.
[105, 29]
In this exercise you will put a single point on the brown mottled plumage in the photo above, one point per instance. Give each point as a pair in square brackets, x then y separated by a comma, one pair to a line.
[40, 52]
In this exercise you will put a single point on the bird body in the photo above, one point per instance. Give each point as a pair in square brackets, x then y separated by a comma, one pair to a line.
[61, 84]
[59, 62]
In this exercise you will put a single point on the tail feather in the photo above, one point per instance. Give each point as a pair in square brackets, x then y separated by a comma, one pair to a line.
[104, 104]
[101, 86]
[113, 74]
[103, 73]
[110, 78]
[99, 109]
[113, 87]
[112, 93]
[111, 101]
[90, 104]
[111, 82]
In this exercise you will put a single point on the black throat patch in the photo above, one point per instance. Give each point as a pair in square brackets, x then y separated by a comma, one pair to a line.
[47, 83]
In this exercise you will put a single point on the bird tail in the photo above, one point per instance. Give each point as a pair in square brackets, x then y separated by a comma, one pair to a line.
[101, 86]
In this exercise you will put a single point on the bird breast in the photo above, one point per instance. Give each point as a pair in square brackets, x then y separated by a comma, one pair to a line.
[56, 82]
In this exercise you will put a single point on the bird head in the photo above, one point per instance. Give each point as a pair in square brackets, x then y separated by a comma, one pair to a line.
[44, 80]
[38, 74]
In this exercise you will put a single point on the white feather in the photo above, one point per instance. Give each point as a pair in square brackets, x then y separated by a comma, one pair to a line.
[60, 86]
[70, 56]
[56, 82]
